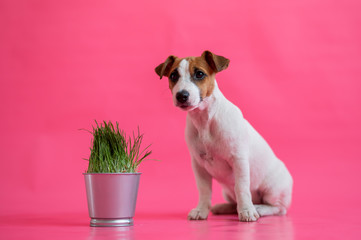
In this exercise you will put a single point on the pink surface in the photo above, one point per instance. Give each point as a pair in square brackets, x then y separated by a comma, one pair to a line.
[173, 226]
[295, 73]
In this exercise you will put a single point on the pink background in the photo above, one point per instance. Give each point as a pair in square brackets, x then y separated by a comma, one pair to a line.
[295, 72]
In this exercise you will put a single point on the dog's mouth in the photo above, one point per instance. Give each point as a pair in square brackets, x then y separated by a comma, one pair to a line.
[185, 106]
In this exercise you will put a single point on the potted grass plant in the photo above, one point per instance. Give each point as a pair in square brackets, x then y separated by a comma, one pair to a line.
[112, 178]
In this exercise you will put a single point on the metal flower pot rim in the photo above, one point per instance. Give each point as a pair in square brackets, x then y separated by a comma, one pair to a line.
[137, 173]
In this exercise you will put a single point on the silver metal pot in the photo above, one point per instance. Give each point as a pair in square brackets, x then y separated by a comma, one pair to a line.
[111, 198]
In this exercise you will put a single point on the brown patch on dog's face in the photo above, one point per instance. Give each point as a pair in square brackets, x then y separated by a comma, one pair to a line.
[198, 67]
[173, 70]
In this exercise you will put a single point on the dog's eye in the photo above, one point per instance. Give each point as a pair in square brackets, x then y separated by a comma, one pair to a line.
[174, 76]
[199, 75]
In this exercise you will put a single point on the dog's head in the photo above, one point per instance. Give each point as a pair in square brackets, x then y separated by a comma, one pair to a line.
[191, 79]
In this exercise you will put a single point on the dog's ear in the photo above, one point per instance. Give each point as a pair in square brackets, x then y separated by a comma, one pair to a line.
[164, 68]
[217, 63]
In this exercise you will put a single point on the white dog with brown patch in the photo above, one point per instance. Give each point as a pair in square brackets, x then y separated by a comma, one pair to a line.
[223, 145]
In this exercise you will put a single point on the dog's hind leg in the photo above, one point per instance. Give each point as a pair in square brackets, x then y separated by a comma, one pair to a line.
[225, 208]
[268, 210]
[274, 203]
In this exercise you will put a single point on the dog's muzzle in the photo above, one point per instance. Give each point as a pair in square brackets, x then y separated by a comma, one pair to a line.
[182, 99]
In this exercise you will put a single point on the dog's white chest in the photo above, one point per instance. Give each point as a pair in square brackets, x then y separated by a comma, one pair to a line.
[210, 153]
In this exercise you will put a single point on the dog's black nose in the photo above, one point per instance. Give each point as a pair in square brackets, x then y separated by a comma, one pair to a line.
[182, 96]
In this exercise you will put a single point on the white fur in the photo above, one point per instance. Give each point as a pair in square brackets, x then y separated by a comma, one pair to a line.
[185, 83]
[223, 145]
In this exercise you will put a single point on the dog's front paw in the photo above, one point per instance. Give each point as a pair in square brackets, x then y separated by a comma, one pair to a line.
[198, 214]
[248, 214]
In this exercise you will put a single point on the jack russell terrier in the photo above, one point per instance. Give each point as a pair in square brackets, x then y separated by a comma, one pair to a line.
[223, 145]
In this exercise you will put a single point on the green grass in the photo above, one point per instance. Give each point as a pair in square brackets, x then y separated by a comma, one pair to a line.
[113, 151]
